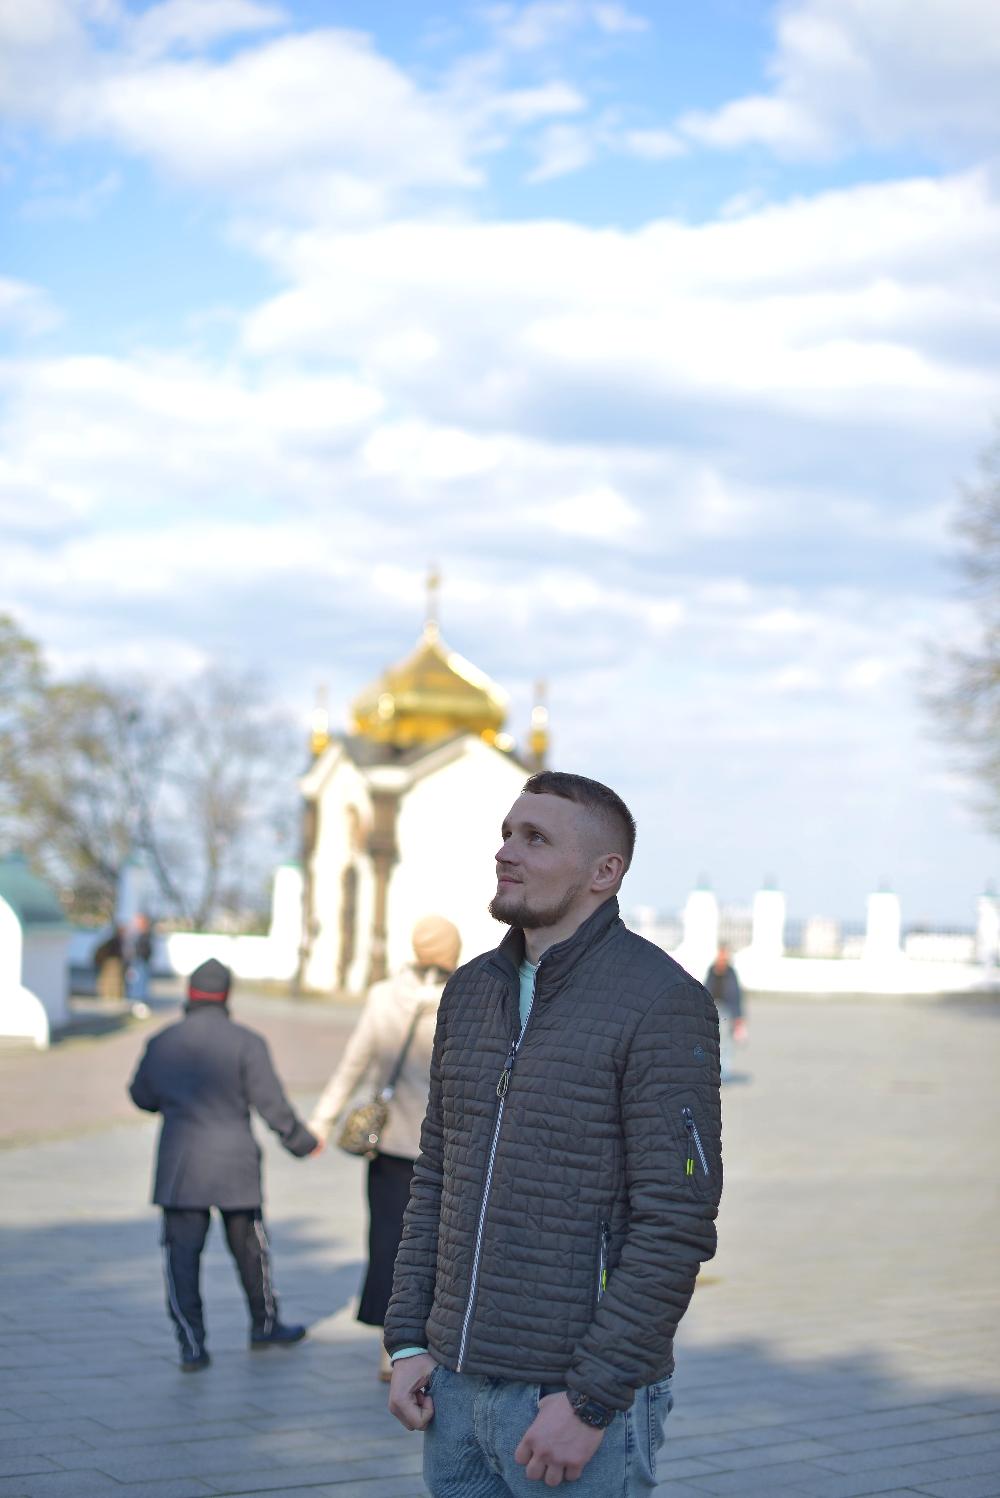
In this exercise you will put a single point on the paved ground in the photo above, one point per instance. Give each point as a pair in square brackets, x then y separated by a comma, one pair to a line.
[843, 1343]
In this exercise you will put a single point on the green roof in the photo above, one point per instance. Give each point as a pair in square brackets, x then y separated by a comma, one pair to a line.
[30, 898]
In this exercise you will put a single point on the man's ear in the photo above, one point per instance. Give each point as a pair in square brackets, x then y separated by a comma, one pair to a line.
[608, 873]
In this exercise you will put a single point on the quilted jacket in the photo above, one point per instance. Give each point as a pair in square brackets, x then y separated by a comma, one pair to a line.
[570, 1174]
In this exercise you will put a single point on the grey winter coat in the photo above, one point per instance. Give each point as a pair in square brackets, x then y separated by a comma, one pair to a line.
[568, 1181]
[204, 1074]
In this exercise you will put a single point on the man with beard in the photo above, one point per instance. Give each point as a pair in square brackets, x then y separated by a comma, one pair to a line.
[568, 1181]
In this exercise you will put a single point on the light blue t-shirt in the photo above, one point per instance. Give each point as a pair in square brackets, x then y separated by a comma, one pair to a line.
[526, 973]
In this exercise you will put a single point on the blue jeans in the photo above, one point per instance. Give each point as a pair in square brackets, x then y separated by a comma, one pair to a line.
[478, 1424]
[137, 976]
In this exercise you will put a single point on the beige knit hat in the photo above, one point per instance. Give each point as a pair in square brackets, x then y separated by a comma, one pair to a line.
[436, 943]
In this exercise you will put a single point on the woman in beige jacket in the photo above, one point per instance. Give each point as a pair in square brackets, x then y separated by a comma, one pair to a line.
[367, 1062]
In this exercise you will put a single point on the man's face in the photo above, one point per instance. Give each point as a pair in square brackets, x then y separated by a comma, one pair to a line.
[543, 863]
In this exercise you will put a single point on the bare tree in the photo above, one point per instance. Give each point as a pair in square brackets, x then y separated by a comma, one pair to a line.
[230, 811]
[84, 785]
[966, 693]
[199, 780]
[22, 686]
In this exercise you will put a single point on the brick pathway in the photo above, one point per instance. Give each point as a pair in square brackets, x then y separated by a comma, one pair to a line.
[843, 1343]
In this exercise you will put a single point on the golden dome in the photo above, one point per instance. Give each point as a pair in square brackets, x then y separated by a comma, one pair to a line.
[430, 695]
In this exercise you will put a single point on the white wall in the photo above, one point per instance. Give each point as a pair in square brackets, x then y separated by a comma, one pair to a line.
[448, 833]
[270, 958]
[344, 788]
[45, 970]
[23, 1016]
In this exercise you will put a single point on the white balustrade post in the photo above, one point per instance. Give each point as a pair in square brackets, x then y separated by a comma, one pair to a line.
[988, 929]
[884, 927]
[701, 931]
[768, 938]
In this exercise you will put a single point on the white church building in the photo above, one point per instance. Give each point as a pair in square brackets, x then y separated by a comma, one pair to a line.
[402, 816]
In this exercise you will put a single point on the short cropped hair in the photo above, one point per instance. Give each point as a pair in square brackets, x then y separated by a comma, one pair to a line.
[597, 798]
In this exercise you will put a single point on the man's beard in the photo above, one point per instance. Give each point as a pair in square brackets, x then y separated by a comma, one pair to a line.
[513, 910]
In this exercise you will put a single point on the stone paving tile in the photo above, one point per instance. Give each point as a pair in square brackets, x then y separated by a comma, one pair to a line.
[985, 1486]
[670, 1489]
[96, 1485]
[771, 1359]
[20, 1466]
[379, 1487]
[250, 1481]
[30, 1445]
[788, 1478]
[872, 1458]
[175, 1460]
[876, 1420]
[718, 1444]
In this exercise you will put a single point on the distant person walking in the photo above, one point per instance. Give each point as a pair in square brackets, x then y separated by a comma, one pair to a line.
[403, 1007]
[109, 960]
[204, 1074]
[724, 986]
[139, 954]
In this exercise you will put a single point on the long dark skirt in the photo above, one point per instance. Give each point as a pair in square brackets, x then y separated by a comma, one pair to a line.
[389, 1179]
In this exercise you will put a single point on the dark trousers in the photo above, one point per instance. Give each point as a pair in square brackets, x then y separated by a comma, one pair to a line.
[184, 1232]
[389, 1178]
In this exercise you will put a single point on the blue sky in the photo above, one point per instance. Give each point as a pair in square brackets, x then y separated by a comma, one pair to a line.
[668, 330]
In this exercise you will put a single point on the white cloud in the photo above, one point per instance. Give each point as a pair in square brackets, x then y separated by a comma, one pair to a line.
[543, 24]
[25, 308]
[412, 452]
[876, 303]
[618, 20]
[561, 149]
[195, 23]
[55, 198]
[272, 116]
[523, 106]
[868, 673]
[870, 72]
[652, 145]
[174, 431]
[597, 514]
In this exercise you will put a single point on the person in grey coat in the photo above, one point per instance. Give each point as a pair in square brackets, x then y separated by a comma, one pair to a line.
[204, 1074]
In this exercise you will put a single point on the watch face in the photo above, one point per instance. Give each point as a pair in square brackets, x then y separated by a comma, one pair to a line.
[590, 1412]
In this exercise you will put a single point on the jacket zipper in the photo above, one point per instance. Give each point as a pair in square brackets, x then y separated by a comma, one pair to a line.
[602, 1259]
[502, 1086]
[694, 1143]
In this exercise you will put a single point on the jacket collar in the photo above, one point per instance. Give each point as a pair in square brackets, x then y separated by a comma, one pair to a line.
[206, 1006]
[558, 962]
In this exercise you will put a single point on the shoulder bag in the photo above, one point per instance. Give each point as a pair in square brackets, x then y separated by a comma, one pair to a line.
[364, 1126]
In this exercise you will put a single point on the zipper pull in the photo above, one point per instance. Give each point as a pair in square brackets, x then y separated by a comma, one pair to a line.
[689, 1130]
[508, 1066]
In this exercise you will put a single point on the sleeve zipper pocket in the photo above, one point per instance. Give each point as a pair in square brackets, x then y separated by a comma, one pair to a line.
[602, 1259]
[694, 1144]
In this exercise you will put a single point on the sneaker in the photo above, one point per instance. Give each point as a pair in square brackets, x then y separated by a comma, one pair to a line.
[279, 1336]
[193, 1362]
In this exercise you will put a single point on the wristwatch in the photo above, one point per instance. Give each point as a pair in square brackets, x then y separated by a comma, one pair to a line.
[590, 1412]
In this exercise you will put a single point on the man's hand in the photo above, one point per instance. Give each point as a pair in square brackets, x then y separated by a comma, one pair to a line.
[408, 1399]
[739, 1031]
[556, 1446]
